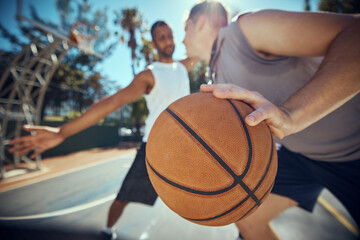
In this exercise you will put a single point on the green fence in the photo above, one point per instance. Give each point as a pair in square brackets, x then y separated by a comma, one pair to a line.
[92, 137]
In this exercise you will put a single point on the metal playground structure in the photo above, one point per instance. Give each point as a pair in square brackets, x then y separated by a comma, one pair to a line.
[24, 83]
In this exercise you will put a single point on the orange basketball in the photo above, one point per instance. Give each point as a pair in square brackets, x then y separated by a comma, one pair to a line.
[206, 164]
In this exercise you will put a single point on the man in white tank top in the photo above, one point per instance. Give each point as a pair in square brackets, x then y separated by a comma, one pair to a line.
[162, 83]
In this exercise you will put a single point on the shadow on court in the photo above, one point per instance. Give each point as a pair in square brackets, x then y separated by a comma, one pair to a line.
[9, 233]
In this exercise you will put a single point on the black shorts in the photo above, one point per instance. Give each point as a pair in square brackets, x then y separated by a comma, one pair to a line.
[136, 186]
[302, 180]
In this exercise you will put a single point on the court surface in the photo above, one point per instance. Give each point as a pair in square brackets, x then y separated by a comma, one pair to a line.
[73, 204]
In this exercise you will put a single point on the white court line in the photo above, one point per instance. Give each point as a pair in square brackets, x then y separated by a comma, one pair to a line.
[62, 212]
[127, 155]
[338, 215]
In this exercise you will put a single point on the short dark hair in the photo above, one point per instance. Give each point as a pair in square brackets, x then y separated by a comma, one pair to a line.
[155, 25]
[214, 10]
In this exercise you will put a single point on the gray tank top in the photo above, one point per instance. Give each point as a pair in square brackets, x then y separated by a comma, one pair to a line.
[334, 138]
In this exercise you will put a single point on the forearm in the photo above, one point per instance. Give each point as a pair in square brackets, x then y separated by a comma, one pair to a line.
[104, 107]
[93, 115]
[335, 83]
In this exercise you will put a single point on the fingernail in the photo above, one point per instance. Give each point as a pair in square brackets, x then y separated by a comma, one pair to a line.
[251, 118]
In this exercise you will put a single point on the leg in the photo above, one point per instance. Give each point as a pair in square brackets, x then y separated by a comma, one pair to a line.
[115, 212]
[256, 226]
[136, 187]
[294, 186]
[343, 180]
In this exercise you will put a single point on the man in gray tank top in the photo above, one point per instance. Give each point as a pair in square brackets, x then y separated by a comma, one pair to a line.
[300, 72]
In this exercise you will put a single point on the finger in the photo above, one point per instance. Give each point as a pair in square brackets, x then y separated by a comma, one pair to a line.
[258, 116]
[252, 98]
[37, 153]
[19, 147]
[30, 128]
[212, 87]
[25, 151]
[20, 140]
[255, 117]
[16, 148]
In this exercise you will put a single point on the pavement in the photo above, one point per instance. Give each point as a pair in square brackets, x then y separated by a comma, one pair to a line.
[70, 196]
[55, 166]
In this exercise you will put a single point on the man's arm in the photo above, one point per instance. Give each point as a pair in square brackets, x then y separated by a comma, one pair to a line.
[190, 63]
[335, 36]
[295, 33]
[140, 85]
[47, 137]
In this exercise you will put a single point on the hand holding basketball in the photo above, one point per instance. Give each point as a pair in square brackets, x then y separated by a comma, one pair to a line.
[206, 164]
[278, 119]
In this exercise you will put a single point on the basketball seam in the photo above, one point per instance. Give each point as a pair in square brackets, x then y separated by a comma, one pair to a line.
[268, 166]
[231, 209]
[198, 144]
[189, 189]
[245, 199]
[237, 178]
[267, 191]
[248, 163]
[203, 143]
[247, 137]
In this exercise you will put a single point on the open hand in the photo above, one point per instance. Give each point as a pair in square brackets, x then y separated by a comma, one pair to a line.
[43, 138]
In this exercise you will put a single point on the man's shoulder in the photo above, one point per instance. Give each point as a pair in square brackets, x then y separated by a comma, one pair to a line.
[145, 75]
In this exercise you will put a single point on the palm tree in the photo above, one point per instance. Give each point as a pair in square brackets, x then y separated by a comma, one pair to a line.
[147, 50]
[130, 20]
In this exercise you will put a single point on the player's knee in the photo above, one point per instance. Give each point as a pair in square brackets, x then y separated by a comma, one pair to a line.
[118, 203]
[253, 224]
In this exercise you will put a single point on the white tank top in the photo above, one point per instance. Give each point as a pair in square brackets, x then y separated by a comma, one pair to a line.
[171, 83]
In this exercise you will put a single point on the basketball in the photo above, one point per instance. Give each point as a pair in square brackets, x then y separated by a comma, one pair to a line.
[206, 164]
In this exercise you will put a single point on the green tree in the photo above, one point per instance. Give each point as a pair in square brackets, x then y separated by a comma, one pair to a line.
[198, 76]
[340, 6]
[130, 20]
[139, 112]
[69, 84]
[147, 51]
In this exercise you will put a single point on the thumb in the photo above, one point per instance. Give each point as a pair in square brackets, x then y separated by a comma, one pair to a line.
[30, 128]
[27, 127]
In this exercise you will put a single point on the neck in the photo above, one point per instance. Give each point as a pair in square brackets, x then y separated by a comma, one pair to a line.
[166, 60]
[208, 44]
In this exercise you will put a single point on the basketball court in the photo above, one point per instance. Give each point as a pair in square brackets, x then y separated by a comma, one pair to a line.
[72, 203]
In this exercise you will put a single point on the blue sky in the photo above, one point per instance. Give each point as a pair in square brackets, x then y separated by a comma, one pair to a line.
[118, 66]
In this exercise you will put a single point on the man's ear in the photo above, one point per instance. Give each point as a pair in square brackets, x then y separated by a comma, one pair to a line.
[201, 22]
[153, 44]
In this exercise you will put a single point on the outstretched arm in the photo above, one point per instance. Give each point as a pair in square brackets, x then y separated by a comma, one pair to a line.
[48, 137]
[278, 33]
